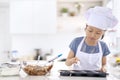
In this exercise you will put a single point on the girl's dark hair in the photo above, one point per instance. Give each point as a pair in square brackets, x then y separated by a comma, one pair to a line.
[102, 36]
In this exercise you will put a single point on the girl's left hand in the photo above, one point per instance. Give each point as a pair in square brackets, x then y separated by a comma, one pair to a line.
[103, 69]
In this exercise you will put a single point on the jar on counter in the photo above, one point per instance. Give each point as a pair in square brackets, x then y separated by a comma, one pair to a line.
[14, 55]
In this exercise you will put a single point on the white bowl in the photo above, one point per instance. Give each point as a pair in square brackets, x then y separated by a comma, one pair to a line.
[7, 69]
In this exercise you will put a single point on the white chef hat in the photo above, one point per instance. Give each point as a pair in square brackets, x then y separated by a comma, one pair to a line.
[101, 17]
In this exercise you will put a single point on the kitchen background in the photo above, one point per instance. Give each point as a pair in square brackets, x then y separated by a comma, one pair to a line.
[28, 27]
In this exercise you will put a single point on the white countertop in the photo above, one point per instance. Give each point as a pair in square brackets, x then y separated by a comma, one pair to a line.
[54, 75]
[55, 78]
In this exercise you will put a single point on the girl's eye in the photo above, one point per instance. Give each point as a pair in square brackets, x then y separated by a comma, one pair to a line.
[90, 30]
[98, 33]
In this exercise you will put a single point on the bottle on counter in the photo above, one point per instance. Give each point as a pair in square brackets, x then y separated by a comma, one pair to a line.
[14, 55]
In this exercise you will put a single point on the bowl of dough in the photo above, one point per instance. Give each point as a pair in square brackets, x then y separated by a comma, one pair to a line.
[37, 69]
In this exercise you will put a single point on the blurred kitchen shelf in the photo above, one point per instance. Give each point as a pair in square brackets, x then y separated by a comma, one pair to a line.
[70, 17]
[80, 0]
[77, 6]
[74, 24]
[70, 14]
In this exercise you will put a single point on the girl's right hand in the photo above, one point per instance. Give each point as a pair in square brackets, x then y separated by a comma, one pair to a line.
[74, 60]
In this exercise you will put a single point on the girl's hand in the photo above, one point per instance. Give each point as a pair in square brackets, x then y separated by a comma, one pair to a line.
[74, 60]
[103, 69]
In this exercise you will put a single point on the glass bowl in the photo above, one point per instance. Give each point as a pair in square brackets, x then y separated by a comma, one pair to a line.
[9, 69]
[37, 69]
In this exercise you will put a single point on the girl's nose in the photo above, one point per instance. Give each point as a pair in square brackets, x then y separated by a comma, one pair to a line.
[93, 35]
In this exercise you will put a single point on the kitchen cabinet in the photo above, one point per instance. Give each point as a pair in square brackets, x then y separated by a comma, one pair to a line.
[32, 16]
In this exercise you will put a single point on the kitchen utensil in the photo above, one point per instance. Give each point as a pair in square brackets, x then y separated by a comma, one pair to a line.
[51, 60]
[38, 59]
[78, 63]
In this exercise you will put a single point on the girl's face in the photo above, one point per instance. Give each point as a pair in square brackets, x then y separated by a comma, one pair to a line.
[93, 33]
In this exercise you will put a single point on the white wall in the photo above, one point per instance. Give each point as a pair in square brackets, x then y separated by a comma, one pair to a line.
[5, 39]
[26, 44]
[115, 5]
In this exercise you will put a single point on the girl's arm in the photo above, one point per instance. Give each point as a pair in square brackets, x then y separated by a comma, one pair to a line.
[103, 64]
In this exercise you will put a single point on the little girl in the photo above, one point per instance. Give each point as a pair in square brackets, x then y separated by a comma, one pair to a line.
[89, 52]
